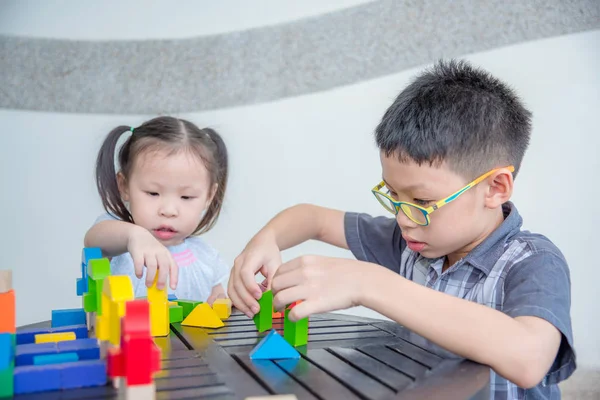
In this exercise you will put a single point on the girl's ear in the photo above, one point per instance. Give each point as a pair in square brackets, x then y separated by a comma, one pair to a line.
[122, 184]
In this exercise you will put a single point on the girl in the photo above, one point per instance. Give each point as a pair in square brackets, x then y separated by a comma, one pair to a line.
[169, 189]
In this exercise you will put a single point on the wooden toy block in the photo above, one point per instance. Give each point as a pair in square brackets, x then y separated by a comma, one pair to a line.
[159, 310]
[34, 378]
[86, 349]
[87, 254]
[223, 308]
[296, 333]
[116, 291]
[138, 358]
[173, 303]
[59, 358]
[97, 270]
[175, 313]
[25, 353]
[7, 381]
[203, 317]
[82, 374]
[171, 297]
[54, 337]
[7, 310]
[277, 314]
[264, 318]
[188, 306]
[5, 280]
[137, 392]
[73, 316]
[273, 347]
[26, 336]
[7, 349]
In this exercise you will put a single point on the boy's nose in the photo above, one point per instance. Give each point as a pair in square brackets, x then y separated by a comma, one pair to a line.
[404, 222]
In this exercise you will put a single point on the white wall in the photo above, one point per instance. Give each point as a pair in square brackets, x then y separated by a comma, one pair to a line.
[315, 148]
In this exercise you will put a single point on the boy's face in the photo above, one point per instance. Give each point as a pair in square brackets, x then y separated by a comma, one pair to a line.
[455, 228]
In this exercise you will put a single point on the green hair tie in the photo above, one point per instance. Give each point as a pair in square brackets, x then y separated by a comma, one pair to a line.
[131, 129]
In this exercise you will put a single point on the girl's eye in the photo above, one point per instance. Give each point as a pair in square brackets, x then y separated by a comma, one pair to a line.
[421, 202]
[187, 197]
[153, 194]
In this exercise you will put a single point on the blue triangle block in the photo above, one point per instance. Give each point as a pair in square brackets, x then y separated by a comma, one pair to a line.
[273, 347]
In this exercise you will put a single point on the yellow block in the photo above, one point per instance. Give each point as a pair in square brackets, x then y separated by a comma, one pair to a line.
[173, 303]
[203, 317]
[54, 337]
[222, 307]
[116, 291]
[159, 310]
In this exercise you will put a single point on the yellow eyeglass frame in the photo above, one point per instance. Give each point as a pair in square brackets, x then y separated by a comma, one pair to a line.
[427, 211]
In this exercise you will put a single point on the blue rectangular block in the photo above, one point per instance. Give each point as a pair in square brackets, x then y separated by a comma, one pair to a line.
[172, 297]
[89, 253]
[26, 336]
[6, 350]
[81, 286]
[68, 317]
[83, 374]
[26, 352]
[32, 379]
[86, 349]
[59, 358]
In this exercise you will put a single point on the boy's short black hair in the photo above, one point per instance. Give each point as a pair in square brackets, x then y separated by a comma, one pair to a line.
[456, 113]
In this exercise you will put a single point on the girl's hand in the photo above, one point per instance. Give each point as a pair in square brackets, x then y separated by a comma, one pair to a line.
[217, 292]
[323, 283]
[147, 251]
[260, 255]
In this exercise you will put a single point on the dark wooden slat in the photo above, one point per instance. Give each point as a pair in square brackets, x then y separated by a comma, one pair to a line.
[395, 360]
[182, 363]
[386, 375]
[311, 331]
[451, 380]
[350, 376]
[188, 382]
[275, 378]
[179, 372]
[179, 354]
[311, 338]
[319, 381]
[210, 392]
[417, 353]
[238, 380]
[252, 328]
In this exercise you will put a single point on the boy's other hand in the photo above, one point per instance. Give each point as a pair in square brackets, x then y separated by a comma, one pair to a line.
[147, 251]
[323, 283]
[260, 255]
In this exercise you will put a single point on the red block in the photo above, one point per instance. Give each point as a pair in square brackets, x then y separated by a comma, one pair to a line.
[137, 318]
[7, 311]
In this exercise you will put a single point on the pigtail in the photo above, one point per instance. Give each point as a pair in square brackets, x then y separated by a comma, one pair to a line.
[221, 165]
[106, 176]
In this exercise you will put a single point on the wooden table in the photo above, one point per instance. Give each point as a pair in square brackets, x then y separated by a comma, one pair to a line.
[347, 357]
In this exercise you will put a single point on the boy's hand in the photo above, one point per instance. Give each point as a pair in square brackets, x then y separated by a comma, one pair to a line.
[260, 255]
[147, 251]
[324, 283]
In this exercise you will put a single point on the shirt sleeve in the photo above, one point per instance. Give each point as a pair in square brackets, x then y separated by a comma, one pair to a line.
[106, 217]
[540, 286]
[374, 239]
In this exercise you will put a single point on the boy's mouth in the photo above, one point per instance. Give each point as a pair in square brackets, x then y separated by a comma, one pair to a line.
[414, 245]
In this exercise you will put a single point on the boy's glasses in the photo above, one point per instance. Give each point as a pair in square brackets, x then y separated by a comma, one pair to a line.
[420, 215]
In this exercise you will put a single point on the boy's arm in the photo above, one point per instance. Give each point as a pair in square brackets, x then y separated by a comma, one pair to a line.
[521, 349]
[111, 236]
[289, 228]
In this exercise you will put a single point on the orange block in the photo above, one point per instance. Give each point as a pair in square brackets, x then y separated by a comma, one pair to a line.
[7, 311]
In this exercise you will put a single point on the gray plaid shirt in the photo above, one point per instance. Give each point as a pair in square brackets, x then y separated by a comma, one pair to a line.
[514, 271]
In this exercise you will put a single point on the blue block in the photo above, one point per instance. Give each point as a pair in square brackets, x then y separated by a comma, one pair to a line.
[7, 352]
[86, 349]
[26, 336]
[83, 374]
[273, 347]
[90, 253]
[68, 317]
[26, 352]
[81, 286]
[33, 378]
[172, 297]
[59, 358]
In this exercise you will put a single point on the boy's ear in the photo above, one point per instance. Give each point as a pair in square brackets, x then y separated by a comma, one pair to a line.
[500, 188]
[122, 184]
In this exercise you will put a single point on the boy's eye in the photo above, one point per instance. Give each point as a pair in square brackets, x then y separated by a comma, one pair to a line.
[393, 194]
[153, 194]
[421, 202]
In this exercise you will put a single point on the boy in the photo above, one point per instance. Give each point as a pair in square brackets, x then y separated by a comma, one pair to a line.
[454, 265]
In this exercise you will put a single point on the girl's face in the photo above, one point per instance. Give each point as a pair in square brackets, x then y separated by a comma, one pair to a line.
[167, 193]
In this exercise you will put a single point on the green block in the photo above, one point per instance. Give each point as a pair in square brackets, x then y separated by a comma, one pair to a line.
[92, 300]
[175, 314]
[89, 302]
[295, 333]
[264, 318]
[98, 268]
[7, 380]
[188, 306]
